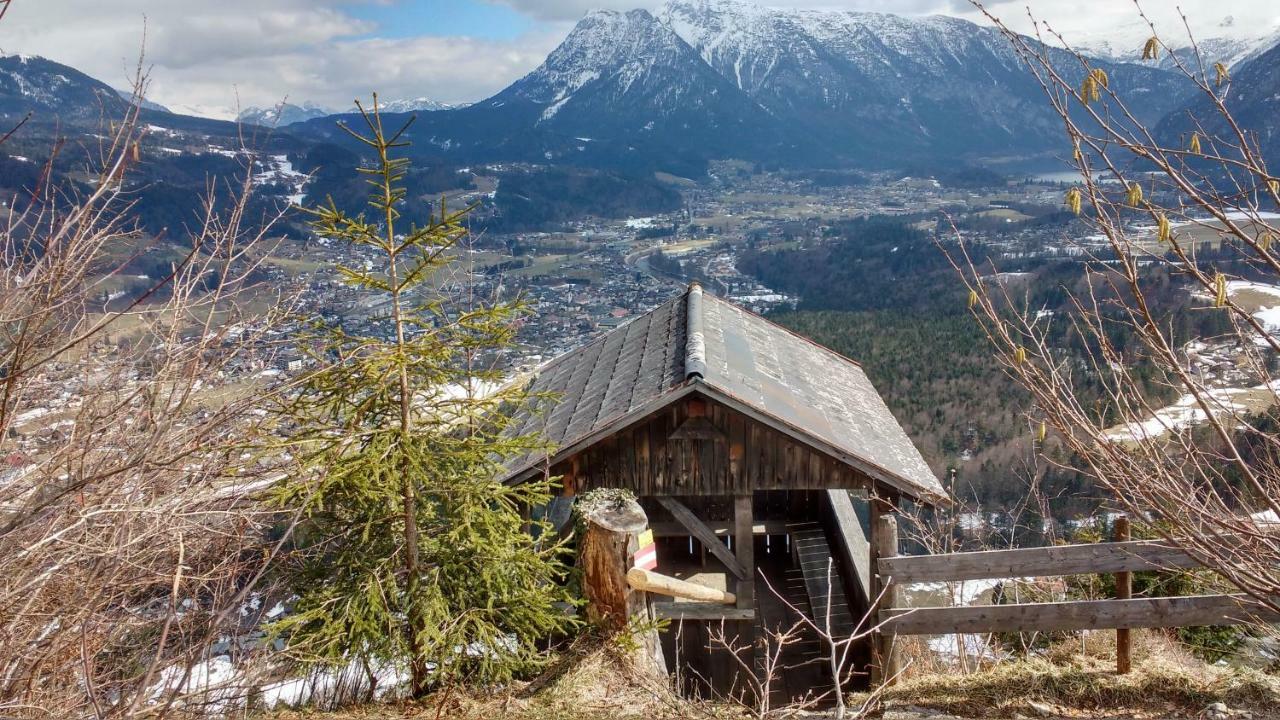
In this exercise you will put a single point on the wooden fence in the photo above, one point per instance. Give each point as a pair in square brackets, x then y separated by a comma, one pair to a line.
[1122, 558]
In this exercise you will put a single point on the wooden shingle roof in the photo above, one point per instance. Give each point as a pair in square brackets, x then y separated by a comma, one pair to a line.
[700, 343]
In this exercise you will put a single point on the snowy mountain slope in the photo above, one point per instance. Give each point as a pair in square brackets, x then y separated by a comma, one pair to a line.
[627, 75]
[704, 79]
[1229, 42]
[622, 90]
[875, 80]
[288, 114]
[282, 114]
[718, 78]
[58, 96]
[146, 104]
[52, 92]
[1253, 100]
[419, 104]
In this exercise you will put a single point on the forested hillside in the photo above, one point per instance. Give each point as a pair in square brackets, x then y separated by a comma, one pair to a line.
[884, 293]
[539, 199]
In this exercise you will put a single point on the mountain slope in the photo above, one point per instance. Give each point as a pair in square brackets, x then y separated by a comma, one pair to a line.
[622, 90]
[707, 79]
[1230, 43]
[876, 82]
[62, 99]
[418, 104]
[627, 79]
[1253, 99]
[282, 114]
[52, 92]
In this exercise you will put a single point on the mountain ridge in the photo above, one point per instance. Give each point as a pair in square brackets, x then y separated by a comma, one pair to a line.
[707, 79]
[700, 80]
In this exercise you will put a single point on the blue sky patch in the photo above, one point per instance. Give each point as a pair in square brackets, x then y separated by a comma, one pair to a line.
[416, 18]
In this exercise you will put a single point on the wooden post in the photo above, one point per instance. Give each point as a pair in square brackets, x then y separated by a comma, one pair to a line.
[1124, 591]
[744, 549]
[613, 526]
[744, 542]
[885, 536]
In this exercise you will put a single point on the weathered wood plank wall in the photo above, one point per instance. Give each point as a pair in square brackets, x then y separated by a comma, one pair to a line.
[744, 456]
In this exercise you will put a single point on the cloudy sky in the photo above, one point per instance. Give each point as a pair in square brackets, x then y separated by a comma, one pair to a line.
[212, 57]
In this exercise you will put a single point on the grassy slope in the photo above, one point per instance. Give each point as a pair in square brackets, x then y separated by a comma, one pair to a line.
[1166, 683]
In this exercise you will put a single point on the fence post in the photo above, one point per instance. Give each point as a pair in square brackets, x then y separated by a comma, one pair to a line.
[886, 539]
[1124, 591]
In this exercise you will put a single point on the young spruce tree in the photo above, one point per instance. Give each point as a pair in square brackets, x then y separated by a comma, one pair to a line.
[413, 554]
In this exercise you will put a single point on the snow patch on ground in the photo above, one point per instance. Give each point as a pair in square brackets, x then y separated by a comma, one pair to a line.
[1187, 412]
[1267, 315]
[278, 169]
[219, 687]
[955, 594]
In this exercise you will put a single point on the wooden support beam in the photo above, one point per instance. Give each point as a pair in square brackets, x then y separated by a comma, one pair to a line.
[653, 582]
[744, 543]
[1079, 615]
[703, 533]
[852, 540]
[1134, 556]
[720, 527]
[700, 611]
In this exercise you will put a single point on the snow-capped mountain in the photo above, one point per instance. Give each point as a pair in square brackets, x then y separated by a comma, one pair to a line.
[719, 78]
[627, 78]
[1228, 41]
[288, 114]
[882, 81]
[420, 104]
[146, 104]
[282, 114]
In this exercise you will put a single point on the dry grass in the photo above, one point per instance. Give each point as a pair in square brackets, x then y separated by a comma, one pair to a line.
[1079, 680]
[595, 684]
[1166, 683]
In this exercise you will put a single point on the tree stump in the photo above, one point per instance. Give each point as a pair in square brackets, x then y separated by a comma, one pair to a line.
[613, 522]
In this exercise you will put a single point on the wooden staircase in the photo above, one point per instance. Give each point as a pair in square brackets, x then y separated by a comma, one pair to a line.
[821, 578]
[803, 663]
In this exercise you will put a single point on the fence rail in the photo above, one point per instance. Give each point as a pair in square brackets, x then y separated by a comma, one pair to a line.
[1121, 558]
[1077, 615]
[1132, 556]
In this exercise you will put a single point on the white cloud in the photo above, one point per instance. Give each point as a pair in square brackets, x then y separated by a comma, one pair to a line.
[212, 57]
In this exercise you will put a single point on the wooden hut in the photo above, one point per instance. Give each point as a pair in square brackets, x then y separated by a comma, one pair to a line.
[760, 457]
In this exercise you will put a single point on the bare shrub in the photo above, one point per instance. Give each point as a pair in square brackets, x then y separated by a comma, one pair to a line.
[1153, 200]
[129, 539]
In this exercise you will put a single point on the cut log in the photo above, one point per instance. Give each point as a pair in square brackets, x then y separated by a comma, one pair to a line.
[613, 523]
[650, 581]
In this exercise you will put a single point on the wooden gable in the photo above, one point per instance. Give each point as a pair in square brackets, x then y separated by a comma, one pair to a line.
[698, 446]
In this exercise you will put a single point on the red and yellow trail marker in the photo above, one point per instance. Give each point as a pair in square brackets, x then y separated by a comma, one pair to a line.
[646, 556]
